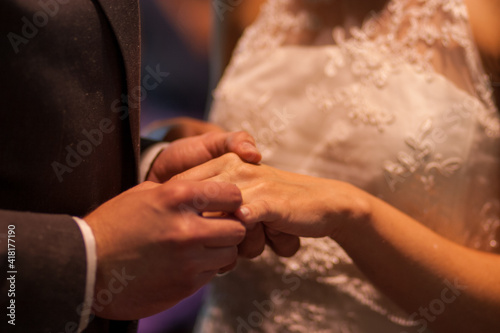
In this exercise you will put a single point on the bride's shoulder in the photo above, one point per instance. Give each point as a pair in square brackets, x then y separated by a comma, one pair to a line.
[483, 15]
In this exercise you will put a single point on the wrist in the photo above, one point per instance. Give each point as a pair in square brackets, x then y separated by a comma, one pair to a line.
[358, 212]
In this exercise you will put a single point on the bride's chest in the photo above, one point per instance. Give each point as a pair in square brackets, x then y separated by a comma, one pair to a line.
[316, 101]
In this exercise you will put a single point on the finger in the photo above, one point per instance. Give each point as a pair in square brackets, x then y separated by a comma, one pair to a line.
[202, 196]
[284, 245]
[240, 143]
[243, 144]
[257, 211]
[254, 242]
[211, 169]
[220, 233]
[215, 259]
[205, 171]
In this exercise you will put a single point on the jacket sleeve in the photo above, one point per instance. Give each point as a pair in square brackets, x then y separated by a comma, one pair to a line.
[43, 272]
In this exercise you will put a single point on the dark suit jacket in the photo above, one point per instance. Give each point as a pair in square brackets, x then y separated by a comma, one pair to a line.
[67, 145]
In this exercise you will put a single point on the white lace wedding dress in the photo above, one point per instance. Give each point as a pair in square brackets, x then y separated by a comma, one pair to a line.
[399, 106]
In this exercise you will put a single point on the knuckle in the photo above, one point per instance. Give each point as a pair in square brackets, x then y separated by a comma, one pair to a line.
[262, 185]
[266, 207]
[210, 136]
[146, 184]
[181, 237]
[246, 170]
[244, 135]
[177, 193]
[231, 158]
[233, 193]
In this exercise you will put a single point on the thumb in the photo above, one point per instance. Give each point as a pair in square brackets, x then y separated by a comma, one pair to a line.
[243, 144]
[240, 143]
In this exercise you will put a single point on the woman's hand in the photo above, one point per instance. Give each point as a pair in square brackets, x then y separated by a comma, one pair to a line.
[409, 262]
[286, 202]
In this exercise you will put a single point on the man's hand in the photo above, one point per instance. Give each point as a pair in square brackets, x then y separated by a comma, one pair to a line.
[156, 239]
[187, 153]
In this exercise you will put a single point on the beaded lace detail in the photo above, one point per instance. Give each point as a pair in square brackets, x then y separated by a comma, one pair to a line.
[422, 158]
[406, 32]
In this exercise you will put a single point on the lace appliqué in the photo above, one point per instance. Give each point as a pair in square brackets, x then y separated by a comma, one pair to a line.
[422, 162]
[324, 261]
[359, 110]
[406, 32]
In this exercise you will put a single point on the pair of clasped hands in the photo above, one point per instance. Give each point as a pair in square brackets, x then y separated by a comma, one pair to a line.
[206, 201]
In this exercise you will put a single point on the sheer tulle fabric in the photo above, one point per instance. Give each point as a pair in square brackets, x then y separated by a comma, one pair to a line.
[398, 105]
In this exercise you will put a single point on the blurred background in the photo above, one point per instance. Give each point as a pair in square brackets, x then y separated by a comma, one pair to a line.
[176, 35]
[186, 38]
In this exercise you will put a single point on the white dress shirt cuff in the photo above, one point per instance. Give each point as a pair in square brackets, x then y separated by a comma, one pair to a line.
[90, 247]
[148, 157]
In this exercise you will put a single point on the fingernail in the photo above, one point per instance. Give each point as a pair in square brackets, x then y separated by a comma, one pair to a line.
[249, 146]
[245, 211]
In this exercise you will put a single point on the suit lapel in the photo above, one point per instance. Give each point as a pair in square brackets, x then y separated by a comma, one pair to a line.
[124, 17]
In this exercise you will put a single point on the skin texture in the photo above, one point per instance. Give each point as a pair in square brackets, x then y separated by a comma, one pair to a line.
[165, 243]
[157, 234]
[485, 25]
[189, 152]
[186, 153]
[410, 263]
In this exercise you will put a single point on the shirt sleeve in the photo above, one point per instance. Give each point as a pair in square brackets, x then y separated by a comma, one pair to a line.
[148, 157]
[90, 247]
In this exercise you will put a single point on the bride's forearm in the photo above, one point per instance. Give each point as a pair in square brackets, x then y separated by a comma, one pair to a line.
[421, 271]
[447, 286]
